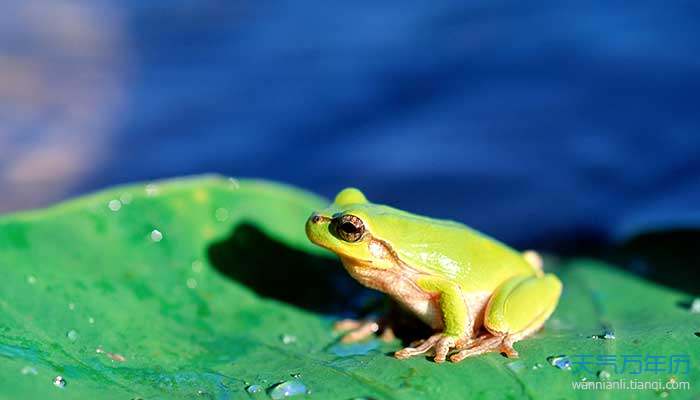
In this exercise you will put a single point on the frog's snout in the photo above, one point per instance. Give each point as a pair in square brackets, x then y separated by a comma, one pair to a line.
[314, 229]
[315, 218]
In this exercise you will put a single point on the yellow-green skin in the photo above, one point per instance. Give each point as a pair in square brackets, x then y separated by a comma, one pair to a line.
[453, 277]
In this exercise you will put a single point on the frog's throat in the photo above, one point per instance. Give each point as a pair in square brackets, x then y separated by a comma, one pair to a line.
[399, 283]
[386, 280]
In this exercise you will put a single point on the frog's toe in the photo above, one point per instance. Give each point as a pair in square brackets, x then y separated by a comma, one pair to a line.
[422, 348]
[442, 347]
[439, 344]
[486, 344]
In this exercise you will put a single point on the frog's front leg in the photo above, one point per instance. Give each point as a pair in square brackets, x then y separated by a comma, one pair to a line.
[518, 308]
[458, 326]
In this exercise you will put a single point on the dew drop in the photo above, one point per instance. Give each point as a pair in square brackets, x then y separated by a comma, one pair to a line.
[254, 389]
[191, 283]
[114, 205]
[221, 214]
[233, 182]
[603, 375]
[516, 366]
[91, 320]
[151, 190]
[287, 389]
[537, 366]
[59, 381]
[663, 394]
[71, 306]
[197, 266]
[561, 362]
[608, 334]
[156, 235]
[72, 335]
[31, 279]
[695, 306]
[126, 198]
[29, 370]
[288, 339]
[295, 375]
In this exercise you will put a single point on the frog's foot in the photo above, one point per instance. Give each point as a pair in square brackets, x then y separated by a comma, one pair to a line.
[439, 344]
[532, 300]
[486, 344]
[355, 331]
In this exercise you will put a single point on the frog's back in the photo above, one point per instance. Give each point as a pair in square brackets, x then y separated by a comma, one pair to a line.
[450, 249]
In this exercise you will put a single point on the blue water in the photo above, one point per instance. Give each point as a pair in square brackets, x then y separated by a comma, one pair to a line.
[544, 125]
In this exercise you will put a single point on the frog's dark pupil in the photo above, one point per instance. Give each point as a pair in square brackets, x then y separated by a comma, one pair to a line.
[348, 227]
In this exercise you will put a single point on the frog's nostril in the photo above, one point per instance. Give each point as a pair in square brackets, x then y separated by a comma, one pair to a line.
[315, 219]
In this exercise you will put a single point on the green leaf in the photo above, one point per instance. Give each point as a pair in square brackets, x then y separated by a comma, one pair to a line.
[199, 288]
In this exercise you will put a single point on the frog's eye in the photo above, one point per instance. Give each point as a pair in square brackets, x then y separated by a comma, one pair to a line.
[349, 228]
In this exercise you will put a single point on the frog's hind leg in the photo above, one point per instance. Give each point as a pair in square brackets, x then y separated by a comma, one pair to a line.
[518, 308]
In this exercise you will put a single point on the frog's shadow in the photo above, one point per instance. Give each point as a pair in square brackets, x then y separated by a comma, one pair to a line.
[308, 281]
[275, 270]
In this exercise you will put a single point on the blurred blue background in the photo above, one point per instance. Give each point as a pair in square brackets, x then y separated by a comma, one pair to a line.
[548, 125]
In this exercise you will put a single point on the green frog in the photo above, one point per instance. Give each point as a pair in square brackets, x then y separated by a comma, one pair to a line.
[478, 294]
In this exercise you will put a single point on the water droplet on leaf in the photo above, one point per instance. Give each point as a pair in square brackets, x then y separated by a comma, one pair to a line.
[603, 375]
[516, 366]
[125, 198]
[191, 283]
[114, 205]
[254, 389]
[72, 335]
[197, 266]
[31, 279]
[607, 334]
[59, 381]
[151, 190]
[561, 362]
[221, 214]
[287, 389]
[695, 306]
[156, 235]
[29, 370]
[288, 339]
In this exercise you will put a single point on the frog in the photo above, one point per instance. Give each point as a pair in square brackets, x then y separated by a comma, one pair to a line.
[476, 293]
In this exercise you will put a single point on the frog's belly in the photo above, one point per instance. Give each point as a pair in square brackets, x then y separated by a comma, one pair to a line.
[427, 310]
[401, 288]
